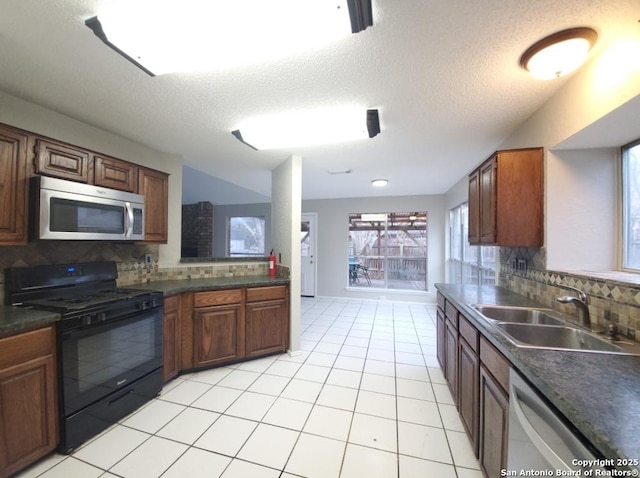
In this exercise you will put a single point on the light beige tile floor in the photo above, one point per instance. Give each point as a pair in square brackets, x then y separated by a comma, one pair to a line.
[364, 398]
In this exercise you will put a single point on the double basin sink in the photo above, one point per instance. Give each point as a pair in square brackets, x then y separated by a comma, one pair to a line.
[532, 327]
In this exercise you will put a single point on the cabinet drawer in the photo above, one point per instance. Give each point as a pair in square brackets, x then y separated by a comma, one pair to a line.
[257, 294]
[469, 332]
[217, 297]
[171, 304]
[452, 313]
[26, 346]
[495, 363]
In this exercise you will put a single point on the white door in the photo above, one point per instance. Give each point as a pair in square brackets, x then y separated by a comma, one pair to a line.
[308, 254]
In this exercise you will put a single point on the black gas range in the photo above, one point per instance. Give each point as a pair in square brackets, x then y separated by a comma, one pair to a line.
[109, 341]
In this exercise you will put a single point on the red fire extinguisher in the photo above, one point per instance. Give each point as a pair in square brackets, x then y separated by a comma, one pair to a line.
[272, 264]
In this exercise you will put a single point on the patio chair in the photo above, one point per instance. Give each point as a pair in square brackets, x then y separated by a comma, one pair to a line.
[362, 271]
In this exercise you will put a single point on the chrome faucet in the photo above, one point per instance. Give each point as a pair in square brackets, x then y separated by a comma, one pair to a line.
[581, 301]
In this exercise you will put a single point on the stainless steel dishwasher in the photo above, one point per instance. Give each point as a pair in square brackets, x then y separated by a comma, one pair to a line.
[539, 440]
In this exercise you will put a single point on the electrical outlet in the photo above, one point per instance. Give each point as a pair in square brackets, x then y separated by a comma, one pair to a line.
[148, 259]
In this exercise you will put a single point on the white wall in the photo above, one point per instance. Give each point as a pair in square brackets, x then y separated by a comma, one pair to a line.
[37, 119]
[333, 233]
[582, 215]
[286, 197]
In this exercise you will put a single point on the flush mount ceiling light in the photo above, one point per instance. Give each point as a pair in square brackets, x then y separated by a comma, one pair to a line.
[559, 54]
[378, 183]
[308, 128]
[164, 36]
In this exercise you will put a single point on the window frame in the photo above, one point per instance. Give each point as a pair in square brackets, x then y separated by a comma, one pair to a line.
[624, 219]
[264, 239]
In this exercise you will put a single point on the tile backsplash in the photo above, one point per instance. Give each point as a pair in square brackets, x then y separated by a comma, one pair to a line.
[613, 296]
[130, 259]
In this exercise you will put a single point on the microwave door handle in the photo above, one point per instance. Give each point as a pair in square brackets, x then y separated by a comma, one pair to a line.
[128, 220]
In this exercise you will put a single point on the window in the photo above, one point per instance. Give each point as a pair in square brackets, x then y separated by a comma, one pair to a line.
[388, 250]
[246, 236]
[631, 206]
[468, 264]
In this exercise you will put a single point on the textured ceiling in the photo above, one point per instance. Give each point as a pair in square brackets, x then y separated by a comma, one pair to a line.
[443, 74]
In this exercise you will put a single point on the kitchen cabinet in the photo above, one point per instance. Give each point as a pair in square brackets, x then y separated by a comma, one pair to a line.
[233, 325]
[13, 186]
[506, 200]
[451, 349]
[218, 327]
[440, 338]
[478, 377]
[171, 338]
[468, 380]
[267, 320]
[28, 400]
[115, 173]
[154, 185]
[61, 160]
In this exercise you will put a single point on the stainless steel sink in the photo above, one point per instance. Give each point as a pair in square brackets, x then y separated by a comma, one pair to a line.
[520, 315]
[556, 337]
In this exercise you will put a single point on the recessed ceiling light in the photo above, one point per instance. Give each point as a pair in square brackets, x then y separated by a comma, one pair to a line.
[559, 54]
[378, 183]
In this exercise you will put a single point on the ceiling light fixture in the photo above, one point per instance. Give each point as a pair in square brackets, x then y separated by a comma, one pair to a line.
[558, 54]
[201, 35]
[308, 128]
[379, 183]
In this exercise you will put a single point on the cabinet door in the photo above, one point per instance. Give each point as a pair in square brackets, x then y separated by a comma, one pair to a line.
[488, 202]
[468, 390]
[154, 185]
[267, 327]
[61, 161]
[451, 358]
[494, 416]
[474, 208]
[115, 174]
[171, 337]
[440, 346]
[218, 335]
[13, 186]
[28, 400]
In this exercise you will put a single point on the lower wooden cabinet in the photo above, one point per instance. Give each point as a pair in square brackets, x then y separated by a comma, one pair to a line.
[235, 324]
[478, 376]
[171, 338]
[28, 400]
[218, 335]
[468, 388]
[494, 418]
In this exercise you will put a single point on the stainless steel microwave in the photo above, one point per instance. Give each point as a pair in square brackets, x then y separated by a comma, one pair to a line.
[66, 210]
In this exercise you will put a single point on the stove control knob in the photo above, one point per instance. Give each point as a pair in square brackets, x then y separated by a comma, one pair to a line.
[86, 320]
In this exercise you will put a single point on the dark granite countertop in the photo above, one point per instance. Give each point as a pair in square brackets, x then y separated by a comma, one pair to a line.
[17, 319]
[598, 393]
[172, 287]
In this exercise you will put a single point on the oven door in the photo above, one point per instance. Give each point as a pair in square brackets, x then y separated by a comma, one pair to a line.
[98, 360]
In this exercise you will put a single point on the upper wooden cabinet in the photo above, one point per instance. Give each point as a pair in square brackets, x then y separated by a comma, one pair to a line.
[506, 200]
[61, 160]
[154, 185]
[13, 186]
[115, 173]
